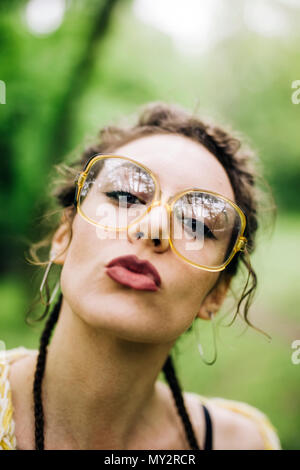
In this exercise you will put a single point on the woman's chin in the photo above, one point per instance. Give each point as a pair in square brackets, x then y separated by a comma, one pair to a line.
[128, 325]
[130, 317]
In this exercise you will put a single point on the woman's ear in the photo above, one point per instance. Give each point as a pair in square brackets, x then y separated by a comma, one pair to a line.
[60, 241]
[215, 298]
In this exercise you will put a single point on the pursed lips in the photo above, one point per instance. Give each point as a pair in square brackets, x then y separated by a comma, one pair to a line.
[136, 273]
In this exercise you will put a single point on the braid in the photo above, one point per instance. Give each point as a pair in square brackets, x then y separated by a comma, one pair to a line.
[38, 376]
[170, 375]
[168, 369]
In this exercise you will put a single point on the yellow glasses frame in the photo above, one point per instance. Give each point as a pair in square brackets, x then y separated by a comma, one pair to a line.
[241, 241]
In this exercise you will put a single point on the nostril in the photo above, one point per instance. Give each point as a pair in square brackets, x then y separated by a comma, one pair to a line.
[139, 235]
[156, 241]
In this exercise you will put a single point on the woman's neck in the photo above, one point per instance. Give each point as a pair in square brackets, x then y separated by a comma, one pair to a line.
[100, 390]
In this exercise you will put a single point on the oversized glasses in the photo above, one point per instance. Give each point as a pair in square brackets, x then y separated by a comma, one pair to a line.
[205, 229]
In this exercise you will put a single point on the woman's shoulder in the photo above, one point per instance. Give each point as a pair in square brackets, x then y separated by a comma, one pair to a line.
[10, 355]
[7, 425]
[238, 425]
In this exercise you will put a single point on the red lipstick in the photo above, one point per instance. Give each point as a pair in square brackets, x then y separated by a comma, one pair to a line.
[133, 272]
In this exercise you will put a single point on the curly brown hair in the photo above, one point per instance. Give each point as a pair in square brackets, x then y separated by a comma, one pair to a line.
[242, 167]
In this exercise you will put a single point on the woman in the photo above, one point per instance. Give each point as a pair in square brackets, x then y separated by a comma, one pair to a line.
[129, 290]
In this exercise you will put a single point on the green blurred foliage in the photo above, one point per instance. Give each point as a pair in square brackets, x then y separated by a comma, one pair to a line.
[62, 87]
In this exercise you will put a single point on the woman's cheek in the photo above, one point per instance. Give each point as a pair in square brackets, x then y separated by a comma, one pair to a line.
[85, 243]
[191, 290]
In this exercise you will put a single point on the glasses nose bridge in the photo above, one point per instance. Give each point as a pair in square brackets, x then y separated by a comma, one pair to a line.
[161, 224]
[159, 202]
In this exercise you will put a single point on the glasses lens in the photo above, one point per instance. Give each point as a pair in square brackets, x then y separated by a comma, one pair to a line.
[204, 228]
[116, 192]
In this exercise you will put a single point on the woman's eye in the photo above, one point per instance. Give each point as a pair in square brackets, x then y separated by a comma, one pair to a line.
[207, 232]
[130, 198]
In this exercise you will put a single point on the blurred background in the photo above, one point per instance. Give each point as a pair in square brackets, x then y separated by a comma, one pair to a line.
[70, 66]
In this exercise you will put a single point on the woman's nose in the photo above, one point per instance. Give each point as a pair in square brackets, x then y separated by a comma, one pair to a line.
[153, 229]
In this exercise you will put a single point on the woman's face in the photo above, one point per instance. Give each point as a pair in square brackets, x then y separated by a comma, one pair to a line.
[186, 292]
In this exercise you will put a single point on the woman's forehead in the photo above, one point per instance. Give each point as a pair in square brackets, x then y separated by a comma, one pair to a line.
[179, 163]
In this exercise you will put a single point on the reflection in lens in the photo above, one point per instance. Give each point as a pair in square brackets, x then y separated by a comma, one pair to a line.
[116, 192]
[205, 228]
